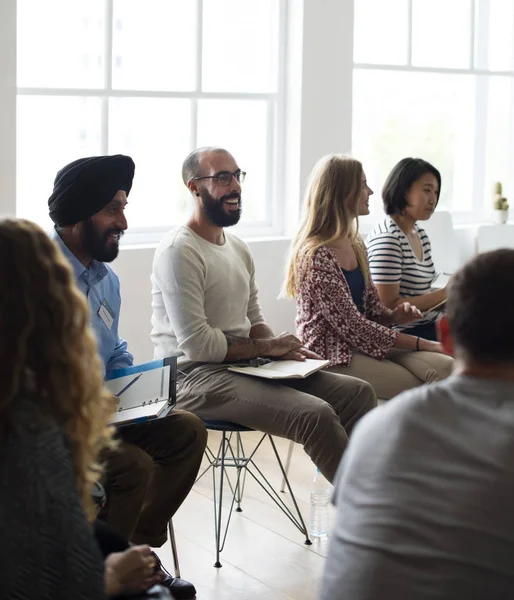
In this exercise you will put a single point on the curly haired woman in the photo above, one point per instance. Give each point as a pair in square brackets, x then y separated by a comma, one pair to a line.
[54, 415]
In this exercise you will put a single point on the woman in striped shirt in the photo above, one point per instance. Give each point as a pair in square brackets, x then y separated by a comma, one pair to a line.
[399, 250]
[339, 314]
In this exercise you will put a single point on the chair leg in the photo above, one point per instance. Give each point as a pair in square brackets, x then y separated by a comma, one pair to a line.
[301, 526]
[219, 512]
[241, 471]
[174, 550]
[287, 465]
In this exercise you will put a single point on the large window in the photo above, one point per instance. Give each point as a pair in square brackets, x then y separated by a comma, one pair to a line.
[435, 79]
[153, 79]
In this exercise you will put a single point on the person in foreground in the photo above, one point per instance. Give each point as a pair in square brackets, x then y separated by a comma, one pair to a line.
[400, 255]
[424, 492]
[339, 314]
[155, 465]
[54, 417]
[206, 312]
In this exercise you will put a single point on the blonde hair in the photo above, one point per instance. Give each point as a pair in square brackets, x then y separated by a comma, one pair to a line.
[330, 212]
[47, 349]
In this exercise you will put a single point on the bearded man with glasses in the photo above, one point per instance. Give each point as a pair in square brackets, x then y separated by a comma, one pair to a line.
[206, 312]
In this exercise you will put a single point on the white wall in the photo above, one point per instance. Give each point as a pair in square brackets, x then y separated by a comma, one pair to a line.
[7, 107]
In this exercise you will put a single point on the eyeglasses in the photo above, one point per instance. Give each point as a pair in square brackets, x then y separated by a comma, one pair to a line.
[225, 177]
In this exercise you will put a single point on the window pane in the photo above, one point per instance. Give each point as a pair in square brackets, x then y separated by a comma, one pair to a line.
[154, 45]
[423, 115]
[61, 43]
[52, 131]
[240, 126]
[240, 45]
[155, 132]
[441, 33]
[500, 139]
[381, 32]
[501, 35]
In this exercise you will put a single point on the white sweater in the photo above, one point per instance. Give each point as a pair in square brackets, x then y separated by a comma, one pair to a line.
[200, 291]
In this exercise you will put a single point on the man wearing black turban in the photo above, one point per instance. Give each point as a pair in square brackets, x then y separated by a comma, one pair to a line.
[84, 201]
[156, 464]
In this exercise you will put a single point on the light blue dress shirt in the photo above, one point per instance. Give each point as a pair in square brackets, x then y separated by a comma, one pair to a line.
[101, 286]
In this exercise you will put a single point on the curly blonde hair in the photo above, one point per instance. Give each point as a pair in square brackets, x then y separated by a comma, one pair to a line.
[48, 349]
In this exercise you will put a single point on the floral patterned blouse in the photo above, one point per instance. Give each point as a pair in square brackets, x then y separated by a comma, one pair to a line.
[327, 320]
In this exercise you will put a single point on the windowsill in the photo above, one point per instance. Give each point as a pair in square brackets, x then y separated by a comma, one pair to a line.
[365, 228]
[128, 245]
[482, 224]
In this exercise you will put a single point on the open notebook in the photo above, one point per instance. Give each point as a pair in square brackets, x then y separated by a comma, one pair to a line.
[283, 369]
[145, 391]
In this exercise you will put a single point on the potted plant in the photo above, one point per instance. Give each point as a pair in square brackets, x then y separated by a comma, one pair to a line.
[501, 206]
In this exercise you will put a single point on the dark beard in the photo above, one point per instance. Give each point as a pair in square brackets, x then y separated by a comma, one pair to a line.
[96, 243]
[213, 209]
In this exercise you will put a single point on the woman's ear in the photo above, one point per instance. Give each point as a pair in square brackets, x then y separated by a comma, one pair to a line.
[445, 336]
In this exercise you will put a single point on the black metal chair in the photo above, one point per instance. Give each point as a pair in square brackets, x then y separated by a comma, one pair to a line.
[231, 454]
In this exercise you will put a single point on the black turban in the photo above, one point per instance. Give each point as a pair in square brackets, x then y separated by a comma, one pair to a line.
[85, 186]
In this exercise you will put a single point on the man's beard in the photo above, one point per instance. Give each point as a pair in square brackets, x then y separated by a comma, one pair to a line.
[214, 211]
[97, 244]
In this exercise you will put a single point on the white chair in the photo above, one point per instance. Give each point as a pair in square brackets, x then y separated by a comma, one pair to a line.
[492, 237]
[444, 243]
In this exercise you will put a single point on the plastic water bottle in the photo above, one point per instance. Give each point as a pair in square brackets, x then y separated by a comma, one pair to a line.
[320, 497]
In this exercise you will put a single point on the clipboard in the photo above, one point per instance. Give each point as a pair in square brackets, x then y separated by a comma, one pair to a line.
[146, 391]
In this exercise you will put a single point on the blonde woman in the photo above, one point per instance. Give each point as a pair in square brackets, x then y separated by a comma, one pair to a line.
[339, 313]
[54, 416]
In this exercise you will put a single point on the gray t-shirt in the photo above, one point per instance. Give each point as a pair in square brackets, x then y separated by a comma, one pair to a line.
[425, 498]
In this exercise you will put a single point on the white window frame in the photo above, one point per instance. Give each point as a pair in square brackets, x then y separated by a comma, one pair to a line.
[273, 225]
[478, 51]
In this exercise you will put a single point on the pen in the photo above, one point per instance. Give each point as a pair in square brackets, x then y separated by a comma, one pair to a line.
[131, 383]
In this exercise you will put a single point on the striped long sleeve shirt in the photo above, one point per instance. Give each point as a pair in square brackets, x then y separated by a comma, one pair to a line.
[393, 261]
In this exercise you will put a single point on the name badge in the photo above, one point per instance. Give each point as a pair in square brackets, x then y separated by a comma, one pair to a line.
[106, 313]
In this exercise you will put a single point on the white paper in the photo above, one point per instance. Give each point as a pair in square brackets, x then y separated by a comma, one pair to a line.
[151, 387]
[283, 369]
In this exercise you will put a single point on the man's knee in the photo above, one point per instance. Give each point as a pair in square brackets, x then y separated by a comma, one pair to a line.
[366, 396]
[318, 420]
[195, 428]
[129, 467]
[189, 431]
[325, 416]
[359, 393]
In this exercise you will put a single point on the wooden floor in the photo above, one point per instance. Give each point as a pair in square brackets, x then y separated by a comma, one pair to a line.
[264, 556]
